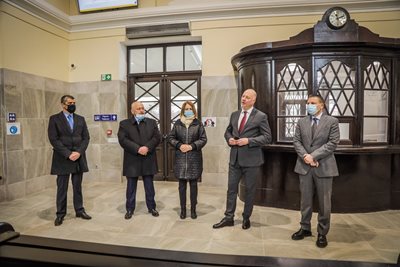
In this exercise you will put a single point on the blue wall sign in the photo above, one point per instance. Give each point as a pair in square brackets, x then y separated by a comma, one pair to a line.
[105, 117]
[13, 128]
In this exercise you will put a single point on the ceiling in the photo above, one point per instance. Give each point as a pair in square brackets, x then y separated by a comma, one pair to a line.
[180, 11]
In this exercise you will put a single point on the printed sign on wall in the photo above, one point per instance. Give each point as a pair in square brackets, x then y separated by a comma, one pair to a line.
[13, 128]
[209, 121]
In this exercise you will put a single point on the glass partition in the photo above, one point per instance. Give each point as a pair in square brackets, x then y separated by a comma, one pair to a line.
[376, 103]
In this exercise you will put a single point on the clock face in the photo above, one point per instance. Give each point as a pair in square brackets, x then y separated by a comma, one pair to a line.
[337, 19]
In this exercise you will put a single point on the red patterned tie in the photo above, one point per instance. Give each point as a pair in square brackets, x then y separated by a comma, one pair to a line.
[243, 121]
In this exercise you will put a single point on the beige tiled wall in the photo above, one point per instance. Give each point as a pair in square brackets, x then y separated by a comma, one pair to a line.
[219, 99]
[109, 97]
[27, 157]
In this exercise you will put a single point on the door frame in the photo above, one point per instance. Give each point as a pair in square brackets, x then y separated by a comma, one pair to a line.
[165, 153]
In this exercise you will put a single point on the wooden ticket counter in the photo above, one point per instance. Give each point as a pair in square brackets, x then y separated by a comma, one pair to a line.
[357, 73]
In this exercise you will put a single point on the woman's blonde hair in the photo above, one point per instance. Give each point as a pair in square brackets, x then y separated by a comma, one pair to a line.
[191, 105]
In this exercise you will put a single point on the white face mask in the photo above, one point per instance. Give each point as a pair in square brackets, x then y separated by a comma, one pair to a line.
[139, 117]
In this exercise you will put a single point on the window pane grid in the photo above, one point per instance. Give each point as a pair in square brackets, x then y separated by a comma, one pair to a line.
[336, 85]
[181, 91]
[168, 58]
[376, 103]
[292, 87]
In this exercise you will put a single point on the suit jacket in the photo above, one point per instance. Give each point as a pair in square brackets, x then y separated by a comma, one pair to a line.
[321, 147]
[65, 141]
[131, 137]
[258, 132]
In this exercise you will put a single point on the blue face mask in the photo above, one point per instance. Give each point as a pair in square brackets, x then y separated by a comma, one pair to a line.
[188, 113]
[139, 117]
[312, 109]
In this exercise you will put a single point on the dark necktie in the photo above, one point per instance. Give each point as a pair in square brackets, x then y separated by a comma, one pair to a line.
[70, 121]
[243, 122]
[314, 127]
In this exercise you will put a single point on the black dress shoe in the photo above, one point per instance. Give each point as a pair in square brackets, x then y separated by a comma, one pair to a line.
[58, 221]
[193, 213]
[321, 241]
[154, 212]
[128, 214]
[224, 222]
[246, 224]
[83, 215]
[299, 235]
[183, 214]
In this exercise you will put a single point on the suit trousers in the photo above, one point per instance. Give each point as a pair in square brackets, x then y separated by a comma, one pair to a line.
[62, 190]
[249, 175]
[323, 187]
[148, 189]
[193, 192]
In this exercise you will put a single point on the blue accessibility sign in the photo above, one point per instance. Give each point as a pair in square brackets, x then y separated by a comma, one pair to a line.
[13, 129]
[105, 117]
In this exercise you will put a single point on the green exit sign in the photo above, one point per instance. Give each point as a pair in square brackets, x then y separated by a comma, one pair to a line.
[106, 77]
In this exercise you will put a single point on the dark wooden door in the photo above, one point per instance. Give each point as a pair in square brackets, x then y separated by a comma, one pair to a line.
[162, 97]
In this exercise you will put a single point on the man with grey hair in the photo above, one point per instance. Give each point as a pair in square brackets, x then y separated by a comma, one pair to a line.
[139, 137]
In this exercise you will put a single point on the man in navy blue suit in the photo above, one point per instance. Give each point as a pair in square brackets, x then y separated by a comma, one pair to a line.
[69, 136]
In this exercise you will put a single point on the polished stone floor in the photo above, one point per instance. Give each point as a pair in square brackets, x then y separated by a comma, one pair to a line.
[367, 237]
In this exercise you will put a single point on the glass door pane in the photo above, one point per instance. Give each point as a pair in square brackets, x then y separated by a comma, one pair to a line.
[181, 91]
[149, 94]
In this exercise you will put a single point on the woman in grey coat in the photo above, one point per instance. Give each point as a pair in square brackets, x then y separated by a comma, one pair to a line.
[188, 137]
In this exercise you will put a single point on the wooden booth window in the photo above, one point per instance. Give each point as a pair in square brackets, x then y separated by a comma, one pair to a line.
[336, 83]
[376, 103]
[292, 92]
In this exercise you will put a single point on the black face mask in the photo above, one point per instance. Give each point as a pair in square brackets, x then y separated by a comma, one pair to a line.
[71, 108]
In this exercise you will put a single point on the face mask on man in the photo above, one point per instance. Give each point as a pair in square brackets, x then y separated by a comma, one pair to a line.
[188, 113]
[139, 117]
[71, 108]
[312, 109]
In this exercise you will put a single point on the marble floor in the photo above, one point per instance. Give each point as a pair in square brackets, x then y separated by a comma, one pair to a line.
[366, 237]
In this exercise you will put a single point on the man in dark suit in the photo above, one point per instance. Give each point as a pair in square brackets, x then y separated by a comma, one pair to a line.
[139, 137]
[69, 136]
[316, 137]
[247, 132]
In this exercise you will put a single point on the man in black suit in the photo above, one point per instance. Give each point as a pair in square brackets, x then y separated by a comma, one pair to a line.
[139, 137]
[247, 132]
[69, 136]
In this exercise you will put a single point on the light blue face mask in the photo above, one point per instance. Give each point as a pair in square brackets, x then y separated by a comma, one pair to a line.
[312, 109]
[139, 117]
[188, 113]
